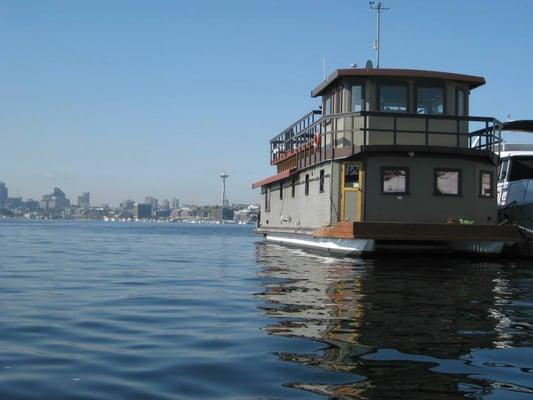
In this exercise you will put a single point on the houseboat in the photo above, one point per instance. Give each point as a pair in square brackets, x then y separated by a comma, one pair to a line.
[392, 161]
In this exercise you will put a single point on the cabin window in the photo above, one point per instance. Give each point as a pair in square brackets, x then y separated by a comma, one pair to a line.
[521, 168]
[321, 187]
[327, 105]
[393, 98]
[307, 184]
[281, 190]
[430, 100]
[267, 199]
[351, 175]
[447, 182]
[293, 187]
[460, 102]
[486, 184]
[394, 180]
[503, 170]
[357, 98]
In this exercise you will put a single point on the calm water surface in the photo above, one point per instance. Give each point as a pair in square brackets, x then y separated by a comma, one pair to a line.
[125, 310]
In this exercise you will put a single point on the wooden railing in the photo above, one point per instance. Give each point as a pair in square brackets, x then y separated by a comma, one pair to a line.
[356, 131]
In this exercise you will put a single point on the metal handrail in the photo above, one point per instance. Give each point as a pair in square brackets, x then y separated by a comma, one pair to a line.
[289, 142]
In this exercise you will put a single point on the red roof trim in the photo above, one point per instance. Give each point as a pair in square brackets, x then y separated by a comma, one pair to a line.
[275, 178]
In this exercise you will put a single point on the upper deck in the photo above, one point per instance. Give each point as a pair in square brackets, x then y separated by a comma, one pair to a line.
[387, 109]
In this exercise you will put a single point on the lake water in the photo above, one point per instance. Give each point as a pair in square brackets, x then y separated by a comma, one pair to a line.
[171, 311]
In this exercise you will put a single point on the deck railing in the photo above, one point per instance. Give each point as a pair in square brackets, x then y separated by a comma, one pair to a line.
[357, 131]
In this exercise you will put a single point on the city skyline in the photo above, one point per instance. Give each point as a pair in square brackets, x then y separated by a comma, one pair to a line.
[83, 199]
[125, 102]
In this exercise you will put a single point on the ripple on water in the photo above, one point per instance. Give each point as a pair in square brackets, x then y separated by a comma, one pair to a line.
[96, 310]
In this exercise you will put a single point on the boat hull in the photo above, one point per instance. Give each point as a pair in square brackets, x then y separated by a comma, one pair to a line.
[340, 247]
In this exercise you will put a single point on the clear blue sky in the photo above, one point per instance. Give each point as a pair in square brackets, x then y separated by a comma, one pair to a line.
[132, 98]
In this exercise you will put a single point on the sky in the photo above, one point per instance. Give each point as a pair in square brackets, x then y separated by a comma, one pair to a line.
[127, 99]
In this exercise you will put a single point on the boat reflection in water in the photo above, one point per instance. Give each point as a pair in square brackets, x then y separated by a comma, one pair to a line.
[403, 328]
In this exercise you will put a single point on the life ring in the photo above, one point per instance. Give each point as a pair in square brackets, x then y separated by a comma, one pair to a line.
[316, 140]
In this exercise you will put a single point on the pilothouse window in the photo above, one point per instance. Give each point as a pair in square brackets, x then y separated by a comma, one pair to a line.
[430, 100]
[393, 98]
[357, 98]
[460, 102]
[327, 106]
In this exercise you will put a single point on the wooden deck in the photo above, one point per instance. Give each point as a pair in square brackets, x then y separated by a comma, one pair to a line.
[420, 232]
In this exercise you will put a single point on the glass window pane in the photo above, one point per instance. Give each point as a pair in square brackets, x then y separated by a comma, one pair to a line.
[327, 106]
[503, 170]
[357, 98]
[521, 168]
[430, 100]
[461, 97]
[486, 184]
[351, 175]
[394, 181]
[392, 98]
[447, 182]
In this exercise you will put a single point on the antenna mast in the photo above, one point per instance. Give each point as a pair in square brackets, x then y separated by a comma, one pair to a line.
[379, 7]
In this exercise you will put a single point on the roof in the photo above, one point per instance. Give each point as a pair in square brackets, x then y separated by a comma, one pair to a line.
[472, 81]
[275, 178]
[525, 125]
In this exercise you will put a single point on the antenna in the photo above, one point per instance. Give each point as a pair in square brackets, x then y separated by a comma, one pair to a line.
[379, 7]
[324, 67]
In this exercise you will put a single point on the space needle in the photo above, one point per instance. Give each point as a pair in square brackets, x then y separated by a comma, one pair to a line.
[224, 176]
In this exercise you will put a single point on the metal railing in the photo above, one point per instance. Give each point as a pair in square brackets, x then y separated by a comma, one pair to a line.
[359, 130]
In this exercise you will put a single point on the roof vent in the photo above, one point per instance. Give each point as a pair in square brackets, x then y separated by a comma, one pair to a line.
[369, 64]
[353, 65]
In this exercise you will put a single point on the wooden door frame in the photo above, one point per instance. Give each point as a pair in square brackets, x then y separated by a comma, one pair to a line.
[358, 190]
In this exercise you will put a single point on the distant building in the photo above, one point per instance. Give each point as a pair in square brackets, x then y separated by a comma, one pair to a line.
[30, 205]
[141, 211]
[165, 205]
[56, 201]
[153, 202]
[175, 204]
[127, 205]
[3, 194]
[84, 200]
[222, 214]
[163, 213]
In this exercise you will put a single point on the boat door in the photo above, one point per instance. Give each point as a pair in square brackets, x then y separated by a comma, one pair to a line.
[351, 193]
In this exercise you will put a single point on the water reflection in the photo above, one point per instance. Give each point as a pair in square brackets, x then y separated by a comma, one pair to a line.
[403, 328]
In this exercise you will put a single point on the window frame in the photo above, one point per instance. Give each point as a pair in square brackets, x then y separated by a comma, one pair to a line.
[405, 85]
[307, 184]
[506, 162]
[459, 182]
[322, 180]
[429, 85]
[356, 182]
[363, 95]
[492, 186]
[325, 111]
[465, 101]
[267, 198]
[293, 188]
[404, 193]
